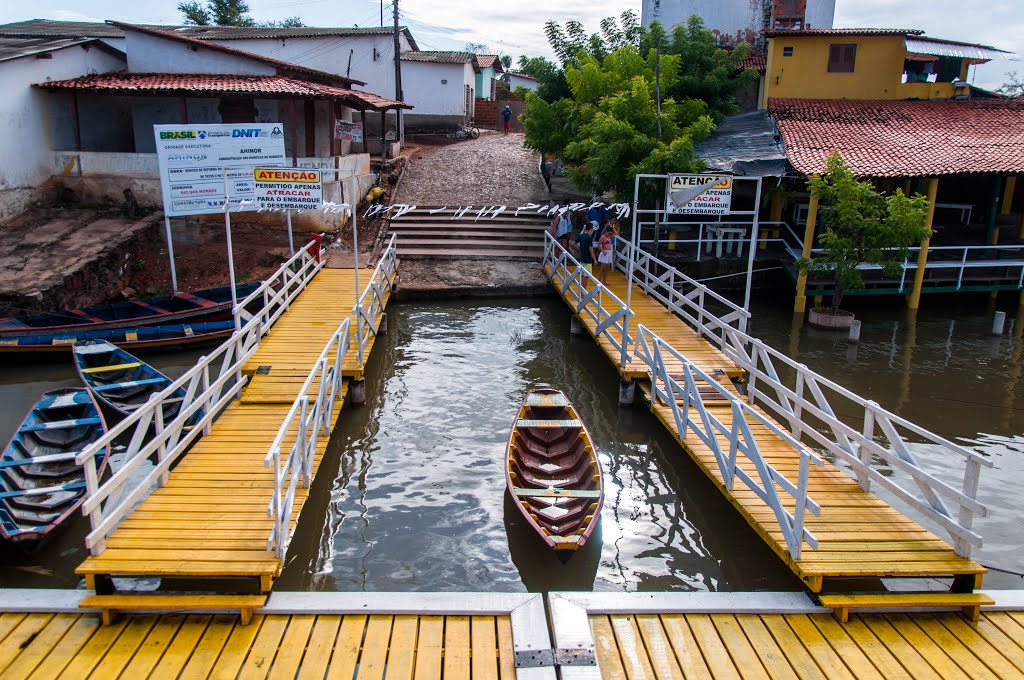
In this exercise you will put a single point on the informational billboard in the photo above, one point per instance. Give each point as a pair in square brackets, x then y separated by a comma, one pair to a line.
[288, 188]
[714, 201]
[346, 130]
[192, 160]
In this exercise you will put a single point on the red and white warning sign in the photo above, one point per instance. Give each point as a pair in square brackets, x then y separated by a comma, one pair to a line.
[288, 188]
[687, 194]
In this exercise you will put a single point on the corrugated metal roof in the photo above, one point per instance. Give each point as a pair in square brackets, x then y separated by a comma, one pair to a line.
[439, 57]
[60, 29]
[842, 32]
[746, 144]
[950, 48]
[15, 48]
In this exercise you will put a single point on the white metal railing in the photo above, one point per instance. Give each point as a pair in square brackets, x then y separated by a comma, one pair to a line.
[587, 296]
[728, 441]
[310, 421]
[680, 293]
[810, 404]
[278, 291]
[373, 298]
[209, 387]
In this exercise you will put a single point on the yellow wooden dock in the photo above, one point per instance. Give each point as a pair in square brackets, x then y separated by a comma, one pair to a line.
[360, 647]
[859, 534]
[210, 519]
[808, 646]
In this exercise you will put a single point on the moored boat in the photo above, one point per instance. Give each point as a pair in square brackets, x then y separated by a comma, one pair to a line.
[210, 304]
[146, 337]
[121, 382]
[41, 485]
[553, 473]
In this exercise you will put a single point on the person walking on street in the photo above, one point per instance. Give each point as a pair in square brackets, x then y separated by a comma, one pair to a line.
[506, 115]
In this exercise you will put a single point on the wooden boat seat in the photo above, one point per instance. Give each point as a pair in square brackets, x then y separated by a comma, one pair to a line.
[43, 490]
[110, 605]
[40, 460]
[552, 492]
[92, 349]
[113, 367]
[970, 603]
[549, 424]
[537, 399]
[129, 383]
[60, 424]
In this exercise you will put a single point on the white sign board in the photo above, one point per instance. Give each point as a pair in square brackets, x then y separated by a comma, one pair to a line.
[192, 159]
[288, 188]
[714, 201]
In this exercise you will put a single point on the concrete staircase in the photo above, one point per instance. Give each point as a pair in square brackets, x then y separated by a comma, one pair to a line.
[422, 235]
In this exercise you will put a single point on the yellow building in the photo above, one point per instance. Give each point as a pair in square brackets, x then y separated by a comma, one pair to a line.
[868, 64]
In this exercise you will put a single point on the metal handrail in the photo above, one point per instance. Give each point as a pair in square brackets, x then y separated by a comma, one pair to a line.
[376, 291]
[314, 420]
[589, 296]
[108, 503]
[727, 441]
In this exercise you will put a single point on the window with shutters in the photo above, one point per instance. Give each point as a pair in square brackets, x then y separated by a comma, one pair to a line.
[841, 58]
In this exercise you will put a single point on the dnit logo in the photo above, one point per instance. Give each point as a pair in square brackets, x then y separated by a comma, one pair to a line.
[276, 132]
[178, 134]
[246, 132]
[202, 134]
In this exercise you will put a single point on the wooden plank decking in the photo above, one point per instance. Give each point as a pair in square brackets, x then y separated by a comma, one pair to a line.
[210, 520]
[859, 534]
[76, 646]
[809, 647]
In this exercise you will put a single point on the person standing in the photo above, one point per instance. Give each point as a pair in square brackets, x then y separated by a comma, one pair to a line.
[506, 115]
[563, 227]
[606, 252]
[586, 241]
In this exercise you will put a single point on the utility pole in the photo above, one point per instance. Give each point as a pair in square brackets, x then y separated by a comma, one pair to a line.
[398, 79]
[657, 81]
[382, 13]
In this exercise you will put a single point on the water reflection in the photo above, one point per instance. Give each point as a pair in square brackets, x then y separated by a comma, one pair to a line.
[418, 500]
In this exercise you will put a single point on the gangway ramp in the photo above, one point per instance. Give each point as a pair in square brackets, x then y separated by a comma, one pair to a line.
[215, 515]
[825, 524]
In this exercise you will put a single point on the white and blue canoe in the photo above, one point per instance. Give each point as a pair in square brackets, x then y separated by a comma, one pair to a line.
[41, 485]
[122, 382]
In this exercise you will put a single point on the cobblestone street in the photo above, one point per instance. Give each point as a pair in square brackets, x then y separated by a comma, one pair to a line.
[494, 169]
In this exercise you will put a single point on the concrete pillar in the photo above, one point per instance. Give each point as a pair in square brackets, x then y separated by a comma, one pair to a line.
[855, 331]
[922, 257]
[800, 304]
[998, 323]
[357, 392]
[575, 325]
[627, 392]
[382, 329]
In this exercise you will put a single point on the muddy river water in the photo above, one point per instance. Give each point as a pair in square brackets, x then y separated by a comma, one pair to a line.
[411, 495]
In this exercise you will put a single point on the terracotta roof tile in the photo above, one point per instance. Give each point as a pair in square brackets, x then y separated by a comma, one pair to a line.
[755, 60]
[439, 57]
[903, 138]
[122, 82]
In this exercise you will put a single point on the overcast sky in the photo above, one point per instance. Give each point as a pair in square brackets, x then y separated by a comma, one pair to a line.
[517, 28]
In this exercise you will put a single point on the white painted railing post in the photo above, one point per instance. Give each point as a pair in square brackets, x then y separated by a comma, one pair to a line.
[965, 517]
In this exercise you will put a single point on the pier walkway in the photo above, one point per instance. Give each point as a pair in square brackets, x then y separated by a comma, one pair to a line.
[228, 508]
[756, 447]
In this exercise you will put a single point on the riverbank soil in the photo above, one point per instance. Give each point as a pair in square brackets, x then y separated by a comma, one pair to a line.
[439, 279]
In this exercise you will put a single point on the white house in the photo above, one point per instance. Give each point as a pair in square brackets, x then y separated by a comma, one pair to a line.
[26, 141]
[515, 80]
[91, 121]
[441, 87]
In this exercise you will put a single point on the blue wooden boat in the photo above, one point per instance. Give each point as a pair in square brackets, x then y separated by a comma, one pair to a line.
[40, 483]
[122, 382]
[211, 304]
[146, 337]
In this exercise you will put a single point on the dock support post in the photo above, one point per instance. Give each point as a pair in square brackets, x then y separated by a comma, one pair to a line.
[575, 325]
[922, 256]
[855, 331]
[627, 392]
[357, 391]
[382, 327]
[800, 304]
[998, 323]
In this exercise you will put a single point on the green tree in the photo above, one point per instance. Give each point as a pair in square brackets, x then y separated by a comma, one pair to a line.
[1014, 85]
[227, 13]
[551, 82]
[862, 226]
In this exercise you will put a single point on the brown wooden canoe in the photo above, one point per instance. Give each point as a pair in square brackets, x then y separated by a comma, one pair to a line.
[552, 471]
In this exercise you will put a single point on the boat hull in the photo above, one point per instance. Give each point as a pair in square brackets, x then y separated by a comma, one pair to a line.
[552, 471]
[40, 455]
[148, 337]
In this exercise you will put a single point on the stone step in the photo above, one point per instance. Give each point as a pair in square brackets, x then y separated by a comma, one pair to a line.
[482, 225]
[482, 253]
[496, 243]
[469, 218]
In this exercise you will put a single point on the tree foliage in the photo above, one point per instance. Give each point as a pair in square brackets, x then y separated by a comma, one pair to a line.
[599, 110]
[227, 13]
[861, 226]
[1014, 85]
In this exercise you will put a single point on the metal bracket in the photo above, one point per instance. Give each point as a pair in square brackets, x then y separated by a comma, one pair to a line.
[534, 658]
[263, 370]
[577, 656]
